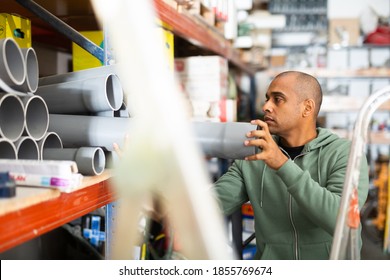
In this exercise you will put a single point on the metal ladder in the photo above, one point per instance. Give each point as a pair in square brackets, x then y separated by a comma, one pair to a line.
[345, 240]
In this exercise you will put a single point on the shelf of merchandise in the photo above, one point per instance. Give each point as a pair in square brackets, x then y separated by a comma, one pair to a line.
[369, 73]
[24, 217]
[378, 137]
[199, 33]
[79, 15]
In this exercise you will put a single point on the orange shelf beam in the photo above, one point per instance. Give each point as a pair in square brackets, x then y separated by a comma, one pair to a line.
[27, 223]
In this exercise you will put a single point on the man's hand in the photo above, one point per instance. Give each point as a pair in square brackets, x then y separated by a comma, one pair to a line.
[117, 148]
[270, 154]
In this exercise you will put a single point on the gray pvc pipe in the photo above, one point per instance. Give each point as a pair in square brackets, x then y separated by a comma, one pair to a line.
[89, 131]
[27, 148]
[7, 149]
[78, 75]
[89, 160]
[99, 93]
[36, 116]
[222, 140]
[30, 83]
[12, 66]
[12, 120]
[51, 140]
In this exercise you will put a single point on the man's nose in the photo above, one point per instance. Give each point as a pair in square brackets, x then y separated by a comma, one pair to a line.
[267, 107]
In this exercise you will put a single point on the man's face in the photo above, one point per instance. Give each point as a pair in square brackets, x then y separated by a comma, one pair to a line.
[282, 108]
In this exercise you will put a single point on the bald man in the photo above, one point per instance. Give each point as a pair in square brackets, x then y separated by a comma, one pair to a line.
[295, 183]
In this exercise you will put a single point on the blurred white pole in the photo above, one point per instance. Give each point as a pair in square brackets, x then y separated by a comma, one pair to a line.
[162, 156]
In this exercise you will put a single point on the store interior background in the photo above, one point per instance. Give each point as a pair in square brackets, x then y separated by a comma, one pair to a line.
[304, 43]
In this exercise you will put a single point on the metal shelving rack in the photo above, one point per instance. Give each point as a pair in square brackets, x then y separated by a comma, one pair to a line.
[26, 223]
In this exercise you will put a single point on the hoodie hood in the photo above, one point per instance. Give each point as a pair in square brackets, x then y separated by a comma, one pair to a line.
[324, 137]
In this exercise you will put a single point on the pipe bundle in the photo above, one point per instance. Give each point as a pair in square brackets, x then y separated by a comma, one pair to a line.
[24, 117]
[87, 115]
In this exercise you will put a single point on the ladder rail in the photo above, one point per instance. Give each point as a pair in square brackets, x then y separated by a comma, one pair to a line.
[359, 138]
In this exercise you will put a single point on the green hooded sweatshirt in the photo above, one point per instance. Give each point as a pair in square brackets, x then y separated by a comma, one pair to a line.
[295, 207]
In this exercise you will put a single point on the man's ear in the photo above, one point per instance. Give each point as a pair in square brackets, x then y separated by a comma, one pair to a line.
[309, 106]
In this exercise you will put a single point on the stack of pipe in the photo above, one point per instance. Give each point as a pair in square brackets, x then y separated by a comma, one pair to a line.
[24, 117]
[81, 95]
[24, 114]
[87, 115]
[89, 124]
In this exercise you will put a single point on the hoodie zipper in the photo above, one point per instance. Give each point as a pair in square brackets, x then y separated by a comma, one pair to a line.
[291, 217]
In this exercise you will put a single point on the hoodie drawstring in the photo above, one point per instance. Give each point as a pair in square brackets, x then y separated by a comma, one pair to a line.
[318, 166]
[262, 186]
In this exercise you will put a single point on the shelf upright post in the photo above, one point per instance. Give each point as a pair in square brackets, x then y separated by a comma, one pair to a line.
[109, 208]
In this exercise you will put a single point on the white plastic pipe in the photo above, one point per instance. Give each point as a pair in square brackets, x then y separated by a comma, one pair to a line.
[223, 140]
[99, 93]
[30, 83]
[7, 149]
[49, 141]
[89, 131]
[78, 75]
[90, 160]
[27, 148]
[36, 116]
[12, 120]
[12, 66]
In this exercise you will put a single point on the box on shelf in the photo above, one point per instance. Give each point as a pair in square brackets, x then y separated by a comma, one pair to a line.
[204, 82]
[16, 27]
[196, 7]
[228, 109]
[203, 77]
[344, 31]
[249, 252]
[248, 223]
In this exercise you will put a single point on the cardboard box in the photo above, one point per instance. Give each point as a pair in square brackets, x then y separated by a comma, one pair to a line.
[203, 78]
[16, 27]
[344, 31]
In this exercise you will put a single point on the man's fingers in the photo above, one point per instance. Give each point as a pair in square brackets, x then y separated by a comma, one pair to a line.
[117, 149]
[263, 125]
[256, 142]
